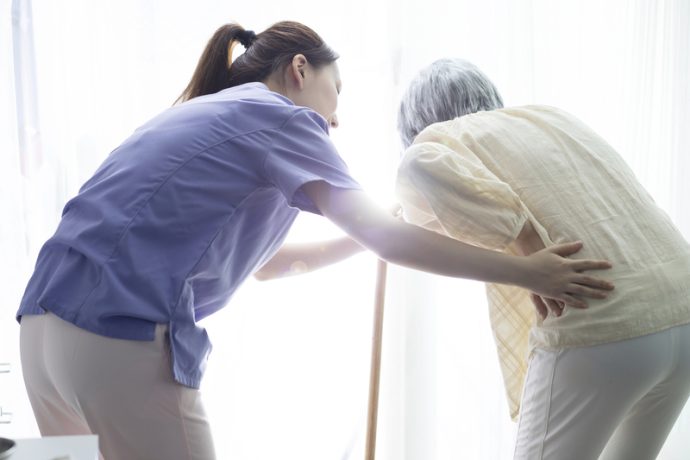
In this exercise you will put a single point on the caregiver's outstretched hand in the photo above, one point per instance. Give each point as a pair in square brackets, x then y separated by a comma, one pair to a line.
[554, 276]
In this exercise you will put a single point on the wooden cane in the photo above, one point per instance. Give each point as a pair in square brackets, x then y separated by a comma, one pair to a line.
[375, 372]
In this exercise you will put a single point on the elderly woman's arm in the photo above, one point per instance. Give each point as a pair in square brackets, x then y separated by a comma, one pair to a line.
[459, 195]
[299, 258]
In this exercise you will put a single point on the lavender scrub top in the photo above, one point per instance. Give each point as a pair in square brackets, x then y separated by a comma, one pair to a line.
[174, 220]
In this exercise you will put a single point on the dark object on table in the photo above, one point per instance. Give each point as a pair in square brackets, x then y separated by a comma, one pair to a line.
[6, 448]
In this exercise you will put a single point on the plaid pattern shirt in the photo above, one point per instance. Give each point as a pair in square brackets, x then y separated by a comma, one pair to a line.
[480, 177]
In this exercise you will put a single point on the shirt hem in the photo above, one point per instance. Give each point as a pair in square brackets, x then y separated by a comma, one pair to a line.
[566, 342]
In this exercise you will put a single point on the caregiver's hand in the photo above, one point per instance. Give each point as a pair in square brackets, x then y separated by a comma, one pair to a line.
[551, 275]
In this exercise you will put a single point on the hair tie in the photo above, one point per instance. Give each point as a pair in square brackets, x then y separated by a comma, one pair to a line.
[246, 38]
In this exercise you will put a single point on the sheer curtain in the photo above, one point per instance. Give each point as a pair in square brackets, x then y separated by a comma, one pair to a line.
[289, 370]
[23, 208]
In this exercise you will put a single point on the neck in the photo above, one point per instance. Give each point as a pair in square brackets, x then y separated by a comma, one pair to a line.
[275, 86]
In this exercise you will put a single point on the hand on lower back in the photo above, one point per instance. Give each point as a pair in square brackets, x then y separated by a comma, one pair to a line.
[558, 278]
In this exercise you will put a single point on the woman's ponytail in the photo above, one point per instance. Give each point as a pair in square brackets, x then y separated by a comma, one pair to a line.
[212, 72]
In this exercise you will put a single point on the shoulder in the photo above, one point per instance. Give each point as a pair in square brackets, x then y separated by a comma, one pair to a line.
[424, 156]
[536, 112]
[257, 95]
[304, 119]
[251, 105]
[437, 132]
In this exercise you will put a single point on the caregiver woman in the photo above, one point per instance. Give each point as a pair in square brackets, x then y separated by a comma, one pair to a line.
[181, 213]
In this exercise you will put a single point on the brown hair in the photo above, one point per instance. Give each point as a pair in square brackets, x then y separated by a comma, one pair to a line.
[271, 50]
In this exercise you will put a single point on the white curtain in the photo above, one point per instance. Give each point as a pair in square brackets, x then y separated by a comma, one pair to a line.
[289, 372]
[22, 205]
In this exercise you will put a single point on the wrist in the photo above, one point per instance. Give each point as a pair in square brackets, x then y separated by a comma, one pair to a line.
[520, 272]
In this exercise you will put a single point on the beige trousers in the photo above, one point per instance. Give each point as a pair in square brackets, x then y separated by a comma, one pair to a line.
[122, 390]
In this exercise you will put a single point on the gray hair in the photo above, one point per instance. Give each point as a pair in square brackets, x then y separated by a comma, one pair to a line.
[447, 89]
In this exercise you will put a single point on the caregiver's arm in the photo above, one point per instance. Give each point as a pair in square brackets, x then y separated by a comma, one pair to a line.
[545, 272]
[528, 242]
[298, 258]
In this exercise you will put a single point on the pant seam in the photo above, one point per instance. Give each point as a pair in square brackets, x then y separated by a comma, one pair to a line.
[521, 419]
[168, 353]
[548, 406]
[183, 422]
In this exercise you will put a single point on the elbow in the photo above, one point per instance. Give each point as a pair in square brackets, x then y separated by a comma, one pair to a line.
[387, 239]
[262, 275]
[396, 255]
[387, 249]
[388, 252]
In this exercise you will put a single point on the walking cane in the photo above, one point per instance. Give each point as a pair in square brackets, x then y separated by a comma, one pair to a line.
[375, 373]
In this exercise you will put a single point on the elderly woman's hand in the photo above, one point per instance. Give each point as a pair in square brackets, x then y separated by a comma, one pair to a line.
[544, 305]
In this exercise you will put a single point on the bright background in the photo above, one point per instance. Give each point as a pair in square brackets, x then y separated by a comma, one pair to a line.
[289, 372]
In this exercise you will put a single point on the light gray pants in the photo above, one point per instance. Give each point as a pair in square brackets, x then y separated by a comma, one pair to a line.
[122, 390]
[616, 401]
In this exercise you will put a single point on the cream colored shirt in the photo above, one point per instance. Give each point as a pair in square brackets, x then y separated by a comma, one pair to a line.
[480, 177]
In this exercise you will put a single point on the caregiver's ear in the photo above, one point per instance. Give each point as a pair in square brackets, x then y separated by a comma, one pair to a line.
[298, 70]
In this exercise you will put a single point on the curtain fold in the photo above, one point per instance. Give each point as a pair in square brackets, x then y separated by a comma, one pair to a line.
[20, 158]
[28, 132]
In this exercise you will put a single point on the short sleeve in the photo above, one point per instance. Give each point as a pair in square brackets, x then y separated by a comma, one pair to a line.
[457, 192]
[302, 152]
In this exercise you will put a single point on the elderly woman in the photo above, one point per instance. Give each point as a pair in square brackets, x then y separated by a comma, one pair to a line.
[609, 380]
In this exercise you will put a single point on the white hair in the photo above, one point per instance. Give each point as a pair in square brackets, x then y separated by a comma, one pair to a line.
[447, 89]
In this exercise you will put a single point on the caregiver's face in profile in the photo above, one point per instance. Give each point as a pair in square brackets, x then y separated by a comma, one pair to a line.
[316, 88]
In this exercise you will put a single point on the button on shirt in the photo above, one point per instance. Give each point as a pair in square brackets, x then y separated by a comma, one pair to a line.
[179, 215]
[480, 177]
